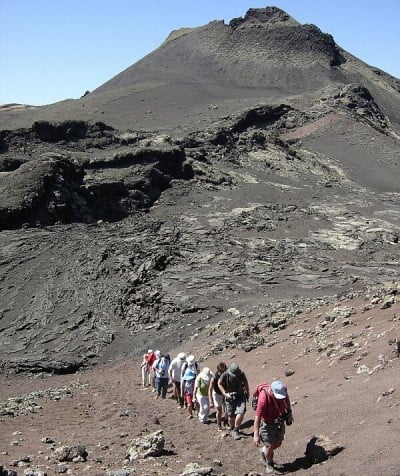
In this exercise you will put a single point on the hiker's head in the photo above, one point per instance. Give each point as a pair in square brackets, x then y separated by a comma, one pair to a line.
[182, 356]
[205, 374]
[279, 389]
[150, 351]
[167, 356]
[234, 370]
[157, 353]
[221, 367]
[190, 360]
[189, 374]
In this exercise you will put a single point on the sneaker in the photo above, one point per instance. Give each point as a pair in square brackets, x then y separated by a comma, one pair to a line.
[235, 435]
[270, 468]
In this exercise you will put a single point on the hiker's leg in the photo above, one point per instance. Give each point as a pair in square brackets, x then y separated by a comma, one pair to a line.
[164, 387]
[239, 420]
[270, 450]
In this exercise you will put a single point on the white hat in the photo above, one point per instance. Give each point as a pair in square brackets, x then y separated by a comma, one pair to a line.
[190, 360]
[149, 351]
[158, 353]
[182, 356]
[205, 374]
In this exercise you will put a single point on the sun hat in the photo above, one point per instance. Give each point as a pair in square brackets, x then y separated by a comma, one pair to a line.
[149, 351]
[190, 360]
[279, 389]
[189, 374]
[205, 374]
[182, 356]
[158, 353]
[234, 370]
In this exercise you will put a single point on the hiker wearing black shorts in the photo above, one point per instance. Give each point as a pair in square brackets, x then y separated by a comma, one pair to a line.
[234, 387]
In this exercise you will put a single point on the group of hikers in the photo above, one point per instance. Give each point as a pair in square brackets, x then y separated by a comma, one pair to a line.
[227, 391]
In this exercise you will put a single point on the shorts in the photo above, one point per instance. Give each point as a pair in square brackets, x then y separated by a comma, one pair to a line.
[272, 433]
[189, 398]
[236, 406]
[218, 399]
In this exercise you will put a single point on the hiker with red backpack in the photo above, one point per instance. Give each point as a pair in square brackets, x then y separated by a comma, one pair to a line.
[273, 411]
[234, 387]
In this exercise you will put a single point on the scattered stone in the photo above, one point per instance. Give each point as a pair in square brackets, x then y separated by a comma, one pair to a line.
[320, 448]
[388, 301]
[289, 372]
[194, 469]
[76, 454]
[144, 447]
[47, 439]
[118, 472]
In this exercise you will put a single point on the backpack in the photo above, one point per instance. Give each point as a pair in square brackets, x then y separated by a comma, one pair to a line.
[162, 366]
[256, 394]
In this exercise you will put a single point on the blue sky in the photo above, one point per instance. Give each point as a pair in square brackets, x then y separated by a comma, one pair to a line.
[52, 50]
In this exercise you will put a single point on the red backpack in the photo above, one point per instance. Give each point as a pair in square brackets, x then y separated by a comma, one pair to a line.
[256, 394]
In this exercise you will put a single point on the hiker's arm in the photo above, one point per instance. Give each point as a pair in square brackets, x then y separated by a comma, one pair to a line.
[290, 418]
[196, 386]
[246, 386]
[221, 387]
[210, 392]
[256, 437]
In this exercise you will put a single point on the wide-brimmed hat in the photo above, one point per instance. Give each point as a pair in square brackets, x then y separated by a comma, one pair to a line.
[182, 356]
[191, 360]
[279, 389]
[234, 370]
[189, 374]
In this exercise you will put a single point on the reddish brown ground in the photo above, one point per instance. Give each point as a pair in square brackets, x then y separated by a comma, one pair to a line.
[358, 411]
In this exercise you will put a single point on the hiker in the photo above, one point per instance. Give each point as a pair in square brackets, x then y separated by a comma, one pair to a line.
[175, 376]
[234, 387]
[160, 367]
[273, 410]
[187, 389]
[190, 363]
[151, 358]
[216, 398]
[201, 394]
[145, 369]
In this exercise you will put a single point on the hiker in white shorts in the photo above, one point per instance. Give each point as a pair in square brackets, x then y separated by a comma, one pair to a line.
[217, 400]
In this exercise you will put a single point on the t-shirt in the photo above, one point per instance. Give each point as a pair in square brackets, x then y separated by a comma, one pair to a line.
[176, 369]
[189, 386]
[202, 386]
[161, 366]
[216, 389]
[150, 359]
[233, 384]
[269, 407]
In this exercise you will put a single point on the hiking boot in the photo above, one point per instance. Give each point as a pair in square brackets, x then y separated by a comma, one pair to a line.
[220, 427]
[235, 435]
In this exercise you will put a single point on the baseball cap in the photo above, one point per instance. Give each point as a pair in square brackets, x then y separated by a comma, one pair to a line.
[189, 374]
[279, 389]
[182, 356]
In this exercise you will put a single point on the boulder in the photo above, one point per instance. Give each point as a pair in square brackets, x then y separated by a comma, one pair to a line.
[76, 453]
[320, 448]
[144, 447]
